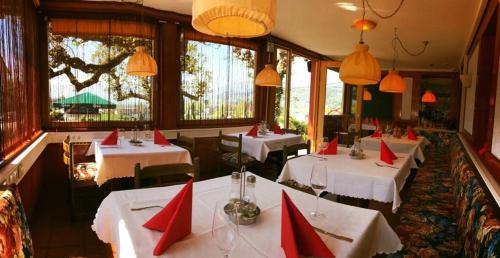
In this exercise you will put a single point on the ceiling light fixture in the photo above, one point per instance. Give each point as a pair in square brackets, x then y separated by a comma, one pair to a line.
[364, 24]
[429, 97]
[347, 6]
[268, 76]
[393, 82]
[234, 18]
[360, 67]
[141, 63]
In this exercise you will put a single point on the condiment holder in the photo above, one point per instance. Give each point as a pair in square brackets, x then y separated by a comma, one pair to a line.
[242, 198]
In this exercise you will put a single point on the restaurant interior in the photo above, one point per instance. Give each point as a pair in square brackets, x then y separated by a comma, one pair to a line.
[249, 128]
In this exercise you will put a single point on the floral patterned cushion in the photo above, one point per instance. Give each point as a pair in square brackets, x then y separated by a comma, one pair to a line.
[84, 171]
[478, 226]
[232, 157]
[15, 239]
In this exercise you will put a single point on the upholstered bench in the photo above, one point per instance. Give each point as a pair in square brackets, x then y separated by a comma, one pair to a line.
[447, 212]
[15, 240]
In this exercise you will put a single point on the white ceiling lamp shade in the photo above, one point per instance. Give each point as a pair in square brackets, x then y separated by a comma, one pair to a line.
[234, 18]
[360, 67]
[268, 77]
[141, 63]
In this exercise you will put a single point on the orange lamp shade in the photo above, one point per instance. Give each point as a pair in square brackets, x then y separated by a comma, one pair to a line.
[360, 67]
[367, 96]
[364, 24]
[429, 97]
[141, 63]
[268, 77]
[234, 18]
[392, 83]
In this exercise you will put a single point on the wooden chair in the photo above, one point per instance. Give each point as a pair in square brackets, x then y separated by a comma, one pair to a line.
[293, 150]
[186, 143]
[230, 153]
[81, 173]
[165, 175]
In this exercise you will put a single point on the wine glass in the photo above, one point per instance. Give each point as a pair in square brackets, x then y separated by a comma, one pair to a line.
[225, 227]
[318, 182]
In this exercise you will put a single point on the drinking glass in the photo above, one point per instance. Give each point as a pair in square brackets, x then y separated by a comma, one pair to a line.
[225, 227]
[318, 182]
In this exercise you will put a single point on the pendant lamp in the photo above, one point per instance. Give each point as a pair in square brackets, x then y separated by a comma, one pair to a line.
[268, 77]
[429, 97]
[234, 18]
[360, 67]
[141, 63]
[392, 83]
[367, 96]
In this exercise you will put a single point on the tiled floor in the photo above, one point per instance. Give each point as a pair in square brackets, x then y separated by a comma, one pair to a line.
[54, 235]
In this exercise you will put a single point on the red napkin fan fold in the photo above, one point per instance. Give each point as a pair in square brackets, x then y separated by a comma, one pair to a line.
[376, 134]
[174, 220]
[386, 155]
[111, 139]
[278, 130]
[331, 149]
[411, 134]
[159, 138]
[253, 131]
[297, 235]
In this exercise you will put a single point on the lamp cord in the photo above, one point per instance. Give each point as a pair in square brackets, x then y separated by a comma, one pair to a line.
[362, 23]
[380, 15]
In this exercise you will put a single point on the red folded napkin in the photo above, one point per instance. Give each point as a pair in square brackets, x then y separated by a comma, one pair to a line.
[376, 134]
[411, 134]
[297, 235]
[331, 149]
[376, 122]
[253, 131]
[277, 130]
[159, 138]
[174, 220]
[386, 155]
[111, 139]
[483, 150]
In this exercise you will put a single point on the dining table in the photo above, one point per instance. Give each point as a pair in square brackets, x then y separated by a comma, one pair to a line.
[367, 178]
[398, 144]
[116, 161]
[119, 221]
[260, 146]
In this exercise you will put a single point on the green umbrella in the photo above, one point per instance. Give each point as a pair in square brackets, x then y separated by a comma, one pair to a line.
[84, 99]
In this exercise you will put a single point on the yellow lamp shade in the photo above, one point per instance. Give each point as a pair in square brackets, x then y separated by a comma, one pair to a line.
[392, 83]
[268, 77]
[141, 63]
[428, 97]
[367, 96]
[365, 25]
[234, 18]
[360, 67]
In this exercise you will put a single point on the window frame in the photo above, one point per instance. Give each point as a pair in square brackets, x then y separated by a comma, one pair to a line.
[49, 125]
[211, 123]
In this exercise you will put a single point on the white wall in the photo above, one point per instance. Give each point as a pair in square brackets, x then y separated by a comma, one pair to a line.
[406, 99]
[470, 93]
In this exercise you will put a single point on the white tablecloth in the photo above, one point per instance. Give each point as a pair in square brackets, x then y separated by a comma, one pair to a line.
[119, 161]
[260, 146]
[401, 145]
[116, 224]
[355, 178]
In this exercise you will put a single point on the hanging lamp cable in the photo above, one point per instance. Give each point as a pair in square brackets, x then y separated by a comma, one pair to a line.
[362, 24]
[396, 40]
[383, 16]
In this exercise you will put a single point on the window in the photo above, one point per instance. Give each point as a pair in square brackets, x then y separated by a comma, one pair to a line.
[292, 99]
[19, 116]
[88, 83]
[217, 81]
[334, 102]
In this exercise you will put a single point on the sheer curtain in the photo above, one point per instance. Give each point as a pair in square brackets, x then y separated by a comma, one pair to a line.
[217, 78]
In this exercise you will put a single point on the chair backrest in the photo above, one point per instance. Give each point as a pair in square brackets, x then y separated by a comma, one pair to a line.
[293, 150]
[66, 147]
[165, 175]
[229, 143]
[14, 225]
[187, 143]
[291, 131]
